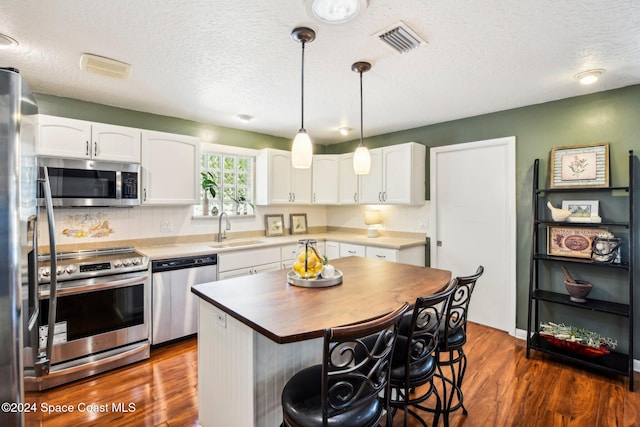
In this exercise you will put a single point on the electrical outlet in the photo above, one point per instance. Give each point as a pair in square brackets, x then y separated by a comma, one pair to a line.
[166, 226]
[221, 319]
[424, 224]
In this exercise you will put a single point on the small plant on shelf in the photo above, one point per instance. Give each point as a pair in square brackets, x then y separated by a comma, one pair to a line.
[581, 341]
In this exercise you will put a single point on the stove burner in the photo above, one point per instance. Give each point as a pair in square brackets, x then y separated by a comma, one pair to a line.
[94, 263]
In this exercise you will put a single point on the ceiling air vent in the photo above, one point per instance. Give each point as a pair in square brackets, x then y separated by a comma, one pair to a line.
[400, 37]
[104, 66]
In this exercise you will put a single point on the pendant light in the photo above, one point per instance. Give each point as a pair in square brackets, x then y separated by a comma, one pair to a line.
[361, 157]
[301, 150]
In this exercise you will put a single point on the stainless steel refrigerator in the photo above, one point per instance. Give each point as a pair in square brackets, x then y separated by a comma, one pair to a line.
[18, 245]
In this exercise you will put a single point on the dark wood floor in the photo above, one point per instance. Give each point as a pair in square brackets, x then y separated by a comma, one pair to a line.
[502, 388]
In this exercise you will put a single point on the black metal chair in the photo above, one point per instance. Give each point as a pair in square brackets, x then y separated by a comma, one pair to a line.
[453, 336]
[351, 386]
[414, 363]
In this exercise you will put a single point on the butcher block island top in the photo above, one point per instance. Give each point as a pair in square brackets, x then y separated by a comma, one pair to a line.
[285, 313]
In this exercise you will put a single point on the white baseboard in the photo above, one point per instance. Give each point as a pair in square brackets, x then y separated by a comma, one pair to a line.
[522, 335]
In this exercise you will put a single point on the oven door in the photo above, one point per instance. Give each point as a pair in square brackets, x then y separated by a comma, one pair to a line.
[98, 314]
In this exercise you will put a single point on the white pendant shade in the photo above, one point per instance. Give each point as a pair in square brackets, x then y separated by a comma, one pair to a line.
[361, 160]
[302, 152]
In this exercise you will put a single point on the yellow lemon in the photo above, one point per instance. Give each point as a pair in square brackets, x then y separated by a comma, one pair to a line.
[298, 267]
[311, 262]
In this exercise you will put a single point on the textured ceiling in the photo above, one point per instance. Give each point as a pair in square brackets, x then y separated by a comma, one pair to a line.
[209, 60]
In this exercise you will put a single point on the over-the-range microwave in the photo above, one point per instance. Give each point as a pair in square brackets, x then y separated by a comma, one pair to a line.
[91, 183]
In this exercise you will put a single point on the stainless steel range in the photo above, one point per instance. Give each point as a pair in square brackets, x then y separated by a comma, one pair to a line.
[102, 311]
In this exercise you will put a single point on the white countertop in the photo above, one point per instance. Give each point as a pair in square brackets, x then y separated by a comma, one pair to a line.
[235, 245]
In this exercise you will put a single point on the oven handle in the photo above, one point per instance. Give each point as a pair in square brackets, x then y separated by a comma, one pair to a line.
[96, 287]
[42, 364]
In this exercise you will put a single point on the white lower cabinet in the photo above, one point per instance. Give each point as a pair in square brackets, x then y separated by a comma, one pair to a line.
[245, 263]
[382, 253]
[348, 249]
[287, 255]
[332, 250]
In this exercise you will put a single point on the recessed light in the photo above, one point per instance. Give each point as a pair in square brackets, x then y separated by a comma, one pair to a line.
[344, 131]
[589, 77]
[7, 42]
[244, 117]
[336, 11]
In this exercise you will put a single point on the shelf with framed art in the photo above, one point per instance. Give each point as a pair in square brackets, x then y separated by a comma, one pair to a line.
[581, 228]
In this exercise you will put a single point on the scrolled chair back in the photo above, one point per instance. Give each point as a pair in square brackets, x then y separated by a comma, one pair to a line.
[356, 362]
[459, 303]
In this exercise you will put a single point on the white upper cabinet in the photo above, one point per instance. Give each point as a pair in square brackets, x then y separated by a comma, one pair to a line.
[397, 176]
[79, 139]
[347, 181]
[170, 169]
[279, 183]
[325, 179]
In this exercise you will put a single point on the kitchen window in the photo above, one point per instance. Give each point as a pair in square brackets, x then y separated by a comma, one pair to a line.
[233, 175]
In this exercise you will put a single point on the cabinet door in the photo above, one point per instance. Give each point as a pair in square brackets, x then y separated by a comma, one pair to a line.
[301, 186]
[170, 165]
[62, 137]
[332, 250]
[287, 256]
[382, 253]
[348, 249]
[397, 174]
[279, 177]
[348, 181]
[115, 143]
[325, 179]
[371, 184]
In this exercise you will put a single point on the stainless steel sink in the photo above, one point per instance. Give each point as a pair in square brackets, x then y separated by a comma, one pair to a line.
[233, 244]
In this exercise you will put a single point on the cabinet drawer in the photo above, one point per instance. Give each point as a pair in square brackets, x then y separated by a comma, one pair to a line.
[382, 253]
[250, 258]
[287, 255]
[347, 249]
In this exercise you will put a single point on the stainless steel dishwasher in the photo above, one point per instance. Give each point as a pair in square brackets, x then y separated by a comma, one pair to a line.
[175, 307]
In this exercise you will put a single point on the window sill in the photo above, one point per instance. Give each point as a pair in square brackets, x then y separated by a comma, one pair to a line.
[206, 217]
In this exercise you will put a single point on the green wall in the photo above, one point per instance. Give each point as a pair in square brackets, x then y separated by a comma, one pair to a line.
[612, 116]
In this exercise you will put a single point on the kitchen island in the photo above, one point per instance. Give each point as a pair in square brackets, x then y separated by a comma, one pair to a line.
[255, 332]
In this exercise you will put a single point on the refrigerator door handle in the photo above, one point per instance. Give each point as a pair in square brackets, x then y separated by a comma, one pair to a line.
[43, 362]
[34, 307]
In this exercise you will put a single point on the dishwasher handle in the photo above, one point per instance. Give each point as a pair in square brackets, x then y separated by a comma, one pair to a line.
[180, 263]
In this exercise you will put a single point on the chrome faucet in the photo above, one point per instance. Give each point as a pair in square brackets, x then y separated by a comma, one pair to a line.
[222, 234]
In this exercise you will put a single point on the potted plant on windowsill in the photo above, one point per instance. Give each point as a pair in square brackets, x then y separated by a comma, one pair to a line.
[241, 204]
[210, 186]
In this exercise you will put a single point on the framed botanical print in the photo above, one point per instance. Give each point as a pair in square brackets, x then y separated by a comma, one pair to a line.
[298, 223]
[580, 166]
[274, 225]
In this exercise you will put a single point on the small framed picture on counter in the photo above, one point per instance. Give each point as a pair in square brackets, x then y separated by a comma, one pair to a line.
[274, 225]
[298, 223]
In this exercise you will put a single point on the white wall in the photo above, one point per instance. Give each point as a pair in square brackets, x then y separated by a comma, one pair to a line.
[112, 224]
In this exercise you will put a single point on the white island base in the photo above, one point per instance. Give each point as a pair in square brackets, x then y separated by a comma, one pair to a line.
[241, 373]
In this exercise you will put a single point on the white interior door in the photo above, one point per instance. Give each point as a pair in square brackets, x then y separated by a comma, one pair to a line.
[474, 223]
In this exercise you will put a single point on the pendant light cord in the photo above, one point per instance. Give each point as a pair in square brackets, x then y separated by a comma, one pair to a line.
[361, 113]
[302, 97]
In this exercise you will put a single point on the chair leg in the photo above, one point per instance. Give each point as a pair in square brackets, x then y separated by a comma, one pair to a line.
[457, 362]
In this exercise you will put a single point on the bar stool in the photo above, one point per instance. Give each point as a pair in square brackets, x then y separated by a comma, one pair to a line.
[414, 360]
[453, 336]
[351, 386]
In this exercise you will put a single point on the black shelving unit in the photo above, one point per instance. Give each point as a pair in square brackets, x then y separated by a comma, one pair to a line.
[614, 362]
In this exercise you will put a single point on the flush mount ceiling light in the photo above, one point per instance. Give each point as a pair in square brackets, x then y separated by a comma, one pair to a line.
[105, 66]
[244, 117]
[336, 11]
[361, 157]
[301, 150]
[7, 42]
[589, 77]
[344, 131]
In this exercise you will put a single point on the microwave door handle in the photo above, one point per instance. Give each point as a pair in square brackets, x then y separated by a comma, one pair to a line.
[43, 362]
